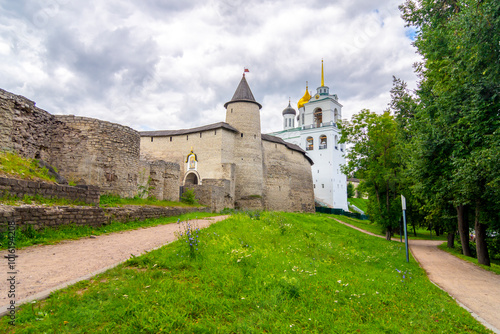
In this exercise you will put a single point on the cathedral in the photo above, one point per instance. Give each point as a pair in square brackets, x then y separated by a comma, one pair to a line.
[314, 129]
[233, 160]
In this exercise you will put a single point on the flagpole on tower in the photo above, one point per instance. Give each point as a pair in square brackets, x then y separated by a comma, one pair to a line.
[245, 70]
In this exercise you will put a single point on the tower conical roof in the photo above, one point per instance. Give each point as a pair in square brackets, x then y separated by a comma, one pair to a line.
[243, 94]
[289, 110]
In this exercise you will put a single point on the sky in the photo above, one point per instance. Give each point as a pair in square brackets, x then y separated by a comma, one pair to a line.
[170, 64]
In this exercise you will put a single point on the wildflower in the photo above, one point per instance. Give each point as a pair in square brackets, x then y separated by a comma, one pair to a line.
[339, 281]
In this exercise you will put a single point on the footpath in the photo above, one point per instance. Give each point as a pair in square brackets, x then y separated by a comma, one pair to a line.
[475, 289]
[47, 268]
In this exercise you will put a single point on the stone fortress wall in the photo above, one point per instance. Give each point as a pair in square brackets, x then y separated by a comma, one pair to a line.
[84, 150]
[91, 151]
[240, 167]
[288, 179]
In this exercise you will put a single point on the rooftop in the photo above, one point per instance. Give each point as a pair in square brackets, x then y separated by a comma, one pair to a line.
[165, 133]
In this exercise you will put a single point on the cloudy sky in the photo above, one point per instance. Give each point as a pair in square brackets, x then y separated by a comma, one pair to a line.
[170, 64]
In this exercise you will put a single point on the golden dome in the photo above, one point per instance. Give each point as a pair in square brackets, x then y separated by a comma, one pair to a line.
[304, 98]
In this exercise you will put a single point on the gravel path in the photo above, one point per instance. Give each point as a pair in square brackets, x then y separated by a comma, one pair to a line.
[43, 269]
[476, 289]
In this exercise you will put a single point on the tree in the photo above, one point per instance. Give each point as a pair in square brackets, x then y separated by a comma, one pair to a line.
[350, 190]
[458, 117]
[374, 158]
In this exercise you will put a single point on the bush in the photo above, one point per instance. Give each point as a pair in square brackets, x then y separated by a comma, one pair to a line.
[189, 197]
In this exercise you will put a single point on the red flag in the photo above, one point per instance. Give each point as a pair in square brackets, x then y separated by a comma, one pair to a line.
[246, 70]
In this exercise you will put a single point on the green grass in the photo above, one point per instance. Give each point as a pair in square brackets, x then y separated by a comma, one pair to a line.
[360, 203]
[112, 200]
[377, 229]
[13, 165]
[7, 199]
[457, 251]
[27, 236]
[272, 272]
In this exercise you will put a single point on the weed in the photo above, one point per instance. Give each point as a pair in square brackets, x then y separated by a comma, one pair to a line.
[8, 199]
[189, 233]
[15, 165]
[113, 200]
[188, 197]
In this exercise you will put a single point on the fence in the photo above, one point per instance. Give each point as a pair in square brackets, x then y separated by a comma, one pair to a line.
[356, 215]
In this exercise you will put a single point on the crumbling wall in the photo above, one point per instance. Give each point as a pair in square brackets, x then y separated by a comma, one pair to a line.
[84, 150]
[19, 188]
[39, 217]
[24, 128]
[159, 179]
[98, 153]
[213, 193]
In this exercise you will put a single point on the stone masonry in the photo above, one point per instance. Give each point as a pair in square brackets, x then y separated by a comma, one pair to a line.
[39, 217]
[19, 188]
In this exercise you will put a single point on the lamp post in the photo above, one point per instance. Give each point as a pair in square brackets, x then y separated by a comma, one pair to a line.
[403, 205]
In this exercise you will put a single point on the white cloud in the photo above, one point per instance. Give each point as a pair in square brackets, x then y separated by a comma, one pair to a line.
[168, 64]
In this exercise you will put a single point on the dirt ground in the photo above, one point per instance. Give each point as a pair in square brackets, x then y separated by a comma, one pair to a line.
[43, 269]
[473, 287]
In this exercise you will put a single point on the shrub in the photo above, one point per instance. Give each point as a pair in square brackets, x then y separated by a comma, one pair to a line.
[189, 197]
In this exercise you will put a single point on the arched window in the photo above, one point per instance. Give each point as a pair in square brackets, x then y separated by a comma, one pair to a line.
[309, 144]
[322, 142]
[336, 142]
[335, 115]
[318, 117]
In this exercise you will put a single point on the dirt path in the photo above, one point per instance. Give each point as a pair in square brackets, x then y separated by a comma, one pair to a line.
[43, 269]
[473, 287]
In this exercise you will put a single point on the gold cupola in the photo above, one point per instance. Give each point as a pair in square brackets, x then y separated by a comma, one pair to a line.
[304, 98]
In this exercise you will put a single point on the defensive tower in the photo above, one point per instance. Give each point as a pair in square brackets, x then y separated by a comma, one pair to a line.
[243, 113]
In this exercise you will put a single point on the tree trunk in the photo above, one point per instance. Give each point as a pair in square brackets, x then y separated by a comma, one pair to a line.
[481, 247]
[414, 230]
[388, 233]
[451, 240]
[463, 229]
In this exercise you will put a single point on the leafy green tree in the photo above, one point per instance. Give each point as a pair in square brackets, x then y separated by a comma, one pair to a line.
[457, 120]
[350, 190]
[374, 158]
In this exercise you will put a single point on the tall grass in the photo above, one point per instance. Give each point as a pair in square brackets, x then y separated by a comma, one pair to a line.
[113, 200]
[13, 164]
[268, 272]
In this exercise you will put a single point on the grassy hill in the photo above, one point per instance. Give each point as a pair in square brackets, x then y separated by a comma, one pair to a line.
[360, 203]
[257, 272]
